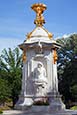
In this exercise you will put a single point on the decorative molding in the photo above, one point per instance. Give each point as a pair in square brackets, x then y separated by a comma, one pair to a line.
[55, 56]
[24, 57]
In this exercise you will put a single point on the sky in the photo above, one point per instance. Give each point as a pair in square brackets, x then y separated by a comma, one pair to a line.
[17, 19]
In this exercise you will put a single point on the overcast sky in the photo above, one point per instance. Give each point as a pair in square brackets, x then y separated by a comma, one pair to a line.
[16, 19]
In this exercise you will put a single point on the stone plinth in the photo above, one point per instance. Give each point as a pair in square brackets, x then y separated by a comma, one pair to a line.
[38, 112]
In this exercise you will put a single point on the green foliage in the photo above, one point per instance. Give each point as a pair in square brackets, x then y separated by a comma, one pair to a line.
[74, 108]
[10, 71]
[67, 67]
[1, 112]
[74, 91]
[4, 90]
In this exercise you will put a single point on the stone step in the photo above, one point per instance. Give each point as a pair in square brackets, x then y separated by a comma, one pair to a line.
[16, 112]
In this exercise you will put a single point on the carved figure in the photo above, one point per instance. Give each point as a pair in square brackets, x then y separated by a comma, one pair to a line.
[40, 72]
[40, 79]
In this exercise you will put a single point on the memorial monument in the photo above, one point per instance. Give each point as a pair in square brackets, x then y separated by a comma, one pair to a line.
[39, 80]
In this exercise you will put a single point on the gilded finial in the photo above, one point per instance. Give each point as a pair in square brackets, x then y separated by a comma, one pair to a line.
[39, 9]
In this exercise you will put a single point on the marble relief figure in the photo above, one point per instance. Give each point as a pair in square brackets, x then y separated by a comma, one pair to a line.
[40, 79]
[40, 72]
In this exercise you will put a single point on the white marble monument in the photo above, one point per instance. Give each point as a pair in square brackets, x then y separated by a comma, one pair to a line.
[39, 80]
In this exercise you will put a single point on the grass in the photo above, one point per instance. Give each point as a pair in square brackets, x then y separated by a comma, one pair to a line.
[74, 108]
[7, 106]
[1, 111]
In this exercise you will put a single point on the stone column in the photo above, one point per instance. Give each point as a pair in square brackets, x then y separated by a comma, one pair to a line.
[24, 79]
[55, 79]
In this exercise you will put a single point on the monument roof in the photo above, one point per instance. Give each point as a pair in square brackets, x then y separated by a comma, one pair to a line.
[39, 33]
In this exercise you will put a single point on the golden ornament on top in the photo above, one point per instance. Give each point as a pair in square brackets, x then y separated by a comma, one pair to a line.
[39, 9]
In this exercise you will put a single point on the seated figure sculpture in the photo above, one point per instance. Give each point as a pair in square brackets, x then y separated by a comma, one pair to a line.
[40, 79]
[40, 73]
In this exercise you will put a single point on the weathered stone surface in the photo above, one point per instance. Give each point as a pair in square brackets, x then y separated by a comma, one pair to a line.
[15, 112]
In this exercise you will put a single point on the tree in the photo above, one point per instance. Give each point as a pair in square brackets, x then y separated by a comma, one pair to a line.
[67, 67]
[10, 69]
[4, 91]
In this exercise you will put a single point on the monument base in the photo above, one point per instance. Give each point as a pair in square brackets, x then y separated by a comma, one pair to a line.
[55, 102]
[37, 110]
[55, 106]
[40, 103]
[24, 102]
[16, 112]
